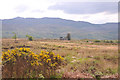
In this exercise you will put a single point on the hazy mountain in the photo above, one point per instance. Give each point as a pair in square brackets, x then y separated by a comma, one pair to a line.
[56, 27]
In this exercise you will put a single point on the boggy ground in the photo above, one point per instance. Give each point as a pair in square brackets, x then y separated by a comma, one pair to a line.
[84, 59]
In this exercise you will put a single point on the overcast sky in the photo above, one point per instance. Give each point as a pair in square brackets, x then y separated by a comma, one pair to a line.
[92, 11]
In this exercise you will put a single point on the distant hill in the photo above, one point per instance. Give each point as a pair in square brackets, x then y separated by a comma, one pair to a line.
[57, 27]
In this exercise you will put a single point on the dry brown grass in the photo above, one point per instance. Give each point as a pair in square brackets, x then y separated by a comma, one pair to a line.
[80, 55]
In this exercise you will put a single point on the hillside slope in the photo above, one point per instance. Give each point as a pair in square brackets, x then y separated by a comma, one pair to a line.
[56, 27]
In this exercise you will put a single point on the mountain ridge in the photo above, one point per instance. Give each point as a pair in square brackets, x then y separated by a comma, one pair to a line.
[56, 18]
[57, 27]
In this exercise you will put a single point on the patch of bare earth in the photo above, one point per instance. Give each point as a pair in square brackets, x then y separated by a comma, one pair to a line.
[76, 75]
[84, 75]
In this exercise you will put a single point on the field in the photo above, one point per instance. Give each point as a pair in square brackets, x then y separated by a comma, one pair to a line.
[83, 58]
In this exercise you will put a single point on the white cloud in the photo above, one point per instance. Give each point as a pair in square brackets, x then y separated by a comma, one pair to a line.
[39, 9]
[10, 8]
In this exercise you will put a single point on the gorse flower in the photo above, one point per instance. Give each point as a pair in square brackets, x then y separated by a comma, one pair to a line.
[45, 59]
[48, 60]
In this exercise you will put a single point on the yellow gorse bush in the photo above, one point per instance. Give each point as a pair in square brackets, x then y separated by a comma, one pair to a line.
[13, 55]
[44, 63]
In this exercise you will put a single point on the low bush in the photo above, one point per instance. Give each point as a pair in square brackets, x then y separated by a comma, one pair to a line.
[97, 41]
[30, 38]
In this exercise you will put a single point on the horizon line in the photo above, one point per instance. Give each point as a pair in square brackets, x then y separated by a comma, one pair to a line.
[56, 18]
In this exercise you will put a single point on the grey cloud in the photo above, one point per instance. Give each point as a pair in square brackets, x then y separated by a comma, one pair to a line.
[86, 7]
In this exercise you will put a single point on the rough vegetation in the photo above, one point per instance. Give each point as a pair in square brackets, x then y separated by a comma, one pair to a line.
[83, 58]
[23, 63]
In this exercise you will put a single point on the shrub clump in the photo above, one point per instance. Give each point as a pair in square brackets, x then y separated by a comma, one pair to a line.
[97, 41]
[30, 38]
[23, 63]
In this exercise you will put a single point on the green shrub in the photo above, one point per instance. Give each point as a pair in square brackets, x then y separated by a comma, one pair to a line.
[97, 41]
[30, 38]
[15, 36]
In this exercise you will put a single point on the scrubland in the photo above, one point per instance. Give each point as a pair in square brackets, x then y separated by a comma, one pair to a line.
[82, 58]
